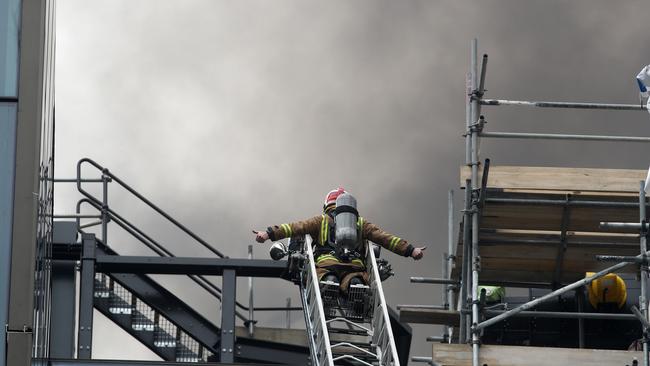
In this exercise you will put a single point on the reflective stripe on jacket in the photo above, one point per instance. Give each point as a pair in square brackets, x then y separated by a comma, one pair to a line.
[318, 228]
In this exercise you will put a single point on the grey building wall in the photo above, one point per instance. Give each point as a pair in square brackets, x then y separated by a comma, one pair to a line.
[31, 222]
[9, 33]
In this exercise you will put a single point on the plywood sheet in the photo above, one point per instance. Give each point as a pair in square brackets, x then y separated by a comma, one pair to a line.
[491, 355]
[429, 316]
[575, 180]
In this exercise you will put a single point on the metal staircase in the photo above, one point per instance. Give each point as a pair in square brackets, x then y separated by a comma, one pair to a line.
[162, 322]
[355, 330]
[152, 314]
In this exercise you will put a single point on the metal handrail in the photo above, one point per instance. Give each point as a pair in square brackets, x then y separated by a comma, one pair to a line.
[144, 238]
[150, 243]
[106, 172]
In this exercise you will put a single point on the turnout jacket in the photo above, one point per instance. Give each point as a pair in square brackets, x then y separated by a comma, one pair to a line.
[319, 229]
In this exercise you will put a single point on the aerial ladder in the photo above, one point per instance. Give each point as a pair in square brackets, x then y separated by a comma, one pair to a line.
[350, 330]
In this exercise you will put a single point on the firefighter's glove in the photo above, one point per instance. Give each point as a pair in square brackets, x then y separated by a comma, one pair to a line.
[418, 253]
[261, 236]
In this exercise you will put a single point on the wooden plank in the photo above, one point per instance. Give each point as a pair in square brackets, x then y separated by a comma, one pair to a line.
[539, 217]
[429, 316]
[577, 180]
[493, 355]
[508, 255]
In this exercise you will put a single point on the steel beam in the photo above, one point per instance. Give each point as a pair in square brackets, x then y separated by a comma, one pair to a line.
[63, 309]
[87, 285]
[71, 362]
[190, 266]
[229, 291]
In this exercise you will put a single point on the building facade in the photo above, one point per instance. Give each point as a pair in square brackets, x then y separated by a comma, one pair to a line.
[26, 169]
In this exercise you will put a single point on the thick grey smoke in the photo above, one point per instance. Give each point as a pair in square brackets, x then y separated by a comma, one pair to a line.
[234, 115]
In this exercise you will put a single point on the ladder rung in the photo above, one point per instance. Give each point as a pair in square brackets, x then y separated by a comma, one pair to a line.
[348, 331]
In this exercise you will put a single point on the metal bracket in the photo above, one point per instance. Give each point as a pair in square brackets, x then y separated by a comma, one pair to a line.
[475, 331]
[478, 125]
[477, 263]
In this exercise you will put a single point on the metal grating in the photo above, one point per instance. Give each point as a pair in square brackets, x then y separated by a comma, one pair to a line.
[143, 317]
[121, 300]
[165, 332]
[357, 305]
[103, 286]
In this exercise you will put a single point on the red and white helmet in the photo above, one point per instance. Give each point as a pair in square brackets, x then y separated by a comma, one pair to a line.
[330, 199]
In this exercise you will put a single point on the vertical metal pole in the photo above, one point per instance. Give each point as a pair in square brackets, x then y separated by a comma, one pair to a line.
[450, 256]
[87, 284]
[445, 295]
[229, 293]
[643, 299]
[465, 285]
[251, 323]
[580, 299]
[288, 313]
[105, 206]
[475, 186]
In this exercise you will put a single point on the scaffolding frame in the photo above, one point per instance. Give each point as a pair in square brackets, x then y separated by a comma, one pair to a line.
[471, 326]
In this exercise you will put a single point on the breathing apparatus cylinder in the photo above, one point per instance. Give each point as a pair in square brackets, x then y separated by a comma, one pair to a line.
[345, 219]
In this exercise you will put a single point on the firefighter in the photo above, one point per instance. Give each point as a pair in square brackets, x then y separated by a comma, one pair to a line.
[329, 266]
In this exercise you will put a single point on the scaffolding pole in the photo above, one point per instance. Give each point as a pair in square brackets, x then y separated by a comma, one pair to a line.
[560, 136]
[450, 258]
[618, 107]
[465, 285]
[643, 303]
[474, 133]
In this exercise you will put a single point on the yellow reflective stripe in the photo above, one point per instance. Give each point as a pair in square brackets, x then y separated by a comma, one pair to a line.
[325, 257]
[393, 243]
[360, 223]
[287, 230]
[358, 261]
[323, 231]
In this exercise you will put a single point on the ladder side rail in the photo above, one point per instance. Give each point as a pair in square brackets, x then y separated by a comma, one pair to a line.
[382, 331]
[313, 308]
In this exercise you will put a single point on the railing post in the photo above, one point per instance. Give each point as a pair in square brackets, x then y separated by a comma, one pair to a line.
[229, 292]
[450, 257]
[251, 322]
[105, 179]
[87, 286]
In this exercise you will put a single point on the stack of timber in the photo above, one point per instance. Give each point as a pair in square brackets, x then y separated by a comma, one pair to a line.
[539, 226]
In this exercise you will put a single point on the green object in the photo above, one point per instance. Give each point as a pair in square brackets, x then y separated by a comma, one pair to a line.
[493, 293]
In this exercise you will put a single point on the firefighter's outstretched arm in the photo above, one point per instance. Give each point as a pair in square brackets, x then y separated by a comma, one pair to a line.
[391, 242]
[310, 226]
